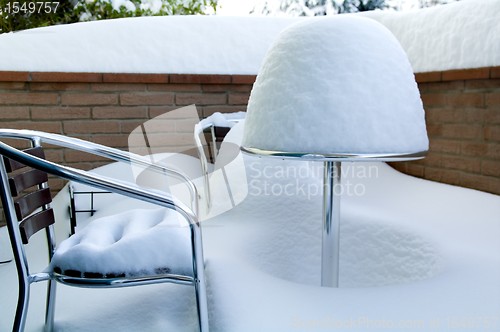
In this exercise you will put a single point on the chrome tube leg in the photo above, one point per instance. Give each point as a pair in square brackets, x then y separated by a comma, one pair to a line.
[331, 225]
[201, 304]
[51, 306]
[199, 278]
[22, 307]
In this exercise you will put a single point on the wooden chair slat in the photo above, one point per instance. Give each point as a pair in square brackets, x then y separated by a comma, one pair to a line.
[12, 165]
[34, 223]
[32, 201]
[25, 180]
[220, 133]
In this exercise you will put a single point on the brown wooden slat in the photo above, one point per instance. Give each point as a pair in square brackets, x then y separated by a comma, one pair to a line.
[220, 133]
[34, 223]
[25, 180]
[32, 201]
[12, 165]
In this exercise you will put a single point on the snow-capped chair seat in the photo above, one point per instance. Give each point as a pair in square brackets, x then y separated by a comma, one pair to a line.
[140, 242]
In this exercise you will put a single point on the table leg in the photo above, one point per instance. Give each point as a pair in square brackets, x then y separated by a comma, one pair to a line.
[331, 224]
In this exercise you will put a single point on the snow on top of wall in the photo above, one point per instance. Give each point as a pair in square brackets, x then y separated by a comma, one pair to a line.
[460, 35]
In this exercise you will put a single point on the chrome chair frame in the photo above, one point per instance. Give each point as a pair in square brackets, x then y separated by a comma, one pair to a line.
[198, 130]
[159, 198]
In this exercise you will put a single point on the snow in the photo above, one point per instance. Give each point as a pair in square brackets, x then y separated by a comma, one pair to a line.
[135, 243]
[458, 35]
[227, 120]
[415, 255]
[359, 96]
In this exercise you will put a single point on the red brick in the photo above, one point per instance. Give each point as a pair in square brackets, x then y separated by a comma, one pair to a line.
[28, 98]
[444, 115]
[493, 99]
[487, 84]
[65, 77]
[434, 76]
[174, 87]
[481, 182]
[146, 98]
[126, 127]
[112, 112]
[36, 86]
[113, 140]
[59, 113]
[461, 131]
[492, 133]
[118, 87]
[466, 74]
[415, 170]
[56, 184]
[445, 146]
[78, 156]
[441, 175]
[89, 99]
[14, 113]
[495, 72]
[466, 100]
[474, 149]
[492, 116]
[135, 78]
[432, 159]
[493, 151]
[14, 76]
[203, 79]
[155, 111]
[52, 126]
[460, 163]
[226, 87]
[434, 99]
[209, 110]
[200, 98]
[55, 155]
[12, 85]
[238, 98]
[243, 79]
[434, 130]
[91, 127]
[441, 86]
[490, 167]
[474, 115]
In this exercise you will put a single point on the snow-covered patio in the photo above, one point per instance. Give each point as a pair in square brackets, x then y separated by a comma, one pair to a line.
[415, 255]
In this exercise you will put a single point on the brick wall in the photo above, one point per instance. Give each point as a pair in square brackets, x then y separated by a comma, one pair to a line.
[462, 114]
[463, 123]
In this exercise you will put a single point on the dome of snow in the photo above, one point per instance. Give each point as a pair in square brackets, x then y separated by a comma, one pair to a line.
[336, 85]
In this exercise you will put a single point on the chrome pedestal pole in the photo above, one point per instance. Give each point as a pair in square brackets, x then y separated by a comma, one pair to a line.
[331, 224]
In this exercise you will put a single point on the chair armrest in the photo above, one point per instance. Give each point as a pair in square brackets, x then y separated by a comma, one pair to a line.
[103, 151]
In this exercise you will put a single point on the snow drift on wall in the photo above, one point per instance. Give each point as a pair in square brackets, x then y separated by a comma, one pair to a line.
[460, 35]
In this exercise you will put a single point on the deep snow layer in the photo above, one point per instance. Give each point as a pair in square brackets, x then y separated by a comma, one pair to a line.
[359, 97]
[415, 256]
[459, 35]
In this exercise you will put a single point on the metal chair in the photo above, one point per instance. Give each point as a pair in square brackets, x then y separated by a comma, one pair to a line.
[29, 213]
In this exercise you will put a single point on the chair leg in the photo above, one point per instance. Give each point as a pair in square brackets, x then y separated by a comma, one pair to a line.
[51, 306]
[22, 307]
[201, 304]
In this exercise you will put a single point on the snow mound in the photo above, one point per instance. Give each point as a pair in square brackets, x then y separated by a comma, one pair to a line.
[121, 244]
[360, 96]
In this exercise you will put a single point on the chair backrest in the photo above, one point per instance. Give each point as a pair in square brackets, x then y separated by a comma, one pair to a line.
[30, 195]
